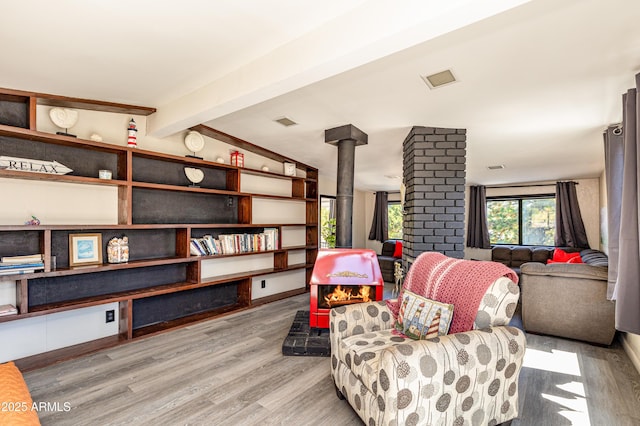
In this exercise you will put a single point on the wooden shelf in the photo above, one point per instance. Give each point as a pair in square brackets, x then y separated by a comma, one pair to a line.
[16, 174]
[34, 135]
[164, 187]
[79, 103]
[149, 187]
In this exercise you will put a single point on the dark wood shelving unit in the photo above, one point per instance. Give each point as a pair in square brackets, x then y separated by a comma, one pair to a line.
[153, 197]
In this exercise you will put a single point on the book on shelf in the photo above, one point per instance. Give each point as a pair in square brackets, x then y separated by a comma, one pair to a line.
[235, 243]
[29, 258]
[7, 310]
[16, 271]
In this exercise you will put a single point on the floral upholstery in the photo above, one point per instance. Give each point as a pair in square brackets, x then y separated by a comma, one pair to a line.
[464, 378]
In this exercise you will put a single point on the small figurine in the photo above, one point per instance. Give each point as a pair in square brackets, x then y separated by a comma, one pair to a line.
[133, 130]
[33, 221]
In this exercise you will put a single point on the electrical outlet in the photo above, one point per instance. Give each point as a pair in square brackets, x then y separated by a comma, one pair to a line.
[110, 316]
[263, 284]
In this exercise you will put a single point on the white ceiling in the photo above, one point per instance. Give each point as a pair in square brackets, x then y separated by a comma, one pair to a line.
[538, 80]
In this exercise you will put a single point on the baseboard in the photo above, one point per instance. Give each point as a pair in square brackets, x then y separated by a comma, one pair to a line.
[633, 353]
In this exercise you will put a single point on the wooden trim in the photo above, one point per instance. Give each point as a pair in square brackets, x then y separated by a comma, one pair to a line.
[242, 144]
[47, 358]
[34, 135]
[45, 248]
[68, 102]
[22, 296]
[125, 316]
[32, 113]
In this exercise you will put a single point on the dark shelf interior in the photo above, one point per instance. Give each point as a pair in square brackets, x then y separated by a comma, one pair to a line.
[20, 243]
[14, 111]
[158, 206]
[167, 307]
[172, 173]
[83, 162]
[48, 290]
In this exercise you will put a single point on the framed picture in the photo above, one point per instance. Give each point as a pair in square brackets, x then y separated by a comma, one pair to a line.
[85, 249]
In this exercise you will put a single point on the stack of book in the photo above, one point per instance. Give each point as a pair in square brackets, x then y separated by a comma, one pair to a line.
[7, 310]
[235, 243]
[12, 265]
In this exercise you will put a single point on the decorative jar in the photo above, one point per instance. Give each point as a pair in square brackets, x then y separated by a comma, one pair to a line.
[118, 250]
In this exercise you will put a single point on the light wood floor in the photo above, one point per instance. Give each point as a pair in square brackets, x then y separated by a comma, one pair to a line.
[230, 371]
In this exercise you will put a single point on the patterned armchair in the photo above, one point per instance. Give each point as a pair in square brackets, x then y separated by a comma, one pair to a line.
[463, 378]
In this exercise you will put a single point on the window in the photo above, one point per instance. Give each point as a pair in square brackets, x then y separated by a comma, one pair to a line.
[394, 219]
[327, 221]
[523, 220]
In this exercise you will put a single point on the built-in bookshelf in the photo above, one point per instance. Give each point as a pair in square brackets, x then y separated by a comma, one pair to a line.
[165, 284]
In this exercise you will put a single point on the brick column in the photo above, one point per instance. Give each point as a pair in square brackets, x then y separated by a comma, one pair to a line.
[434, 174]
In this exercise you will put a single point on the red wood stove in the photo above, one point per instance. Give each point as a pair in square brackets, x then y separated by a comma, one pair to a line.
[343, 277]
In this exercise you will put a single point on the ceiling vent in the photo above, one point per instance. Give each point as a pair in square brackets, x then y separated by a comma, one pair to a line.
[439, 79]
[285, 121]
[498, 167]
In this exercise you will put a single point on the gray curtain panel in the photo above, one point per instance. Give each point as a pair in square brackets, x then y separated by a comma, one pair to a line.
[477, 228]
[627, 289]
[380, 224]
[570, 230]
[613, 161]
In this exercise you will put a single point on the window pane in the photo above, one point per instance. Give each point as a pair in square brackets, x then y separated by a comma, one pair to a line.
[327, 222]
[502, 218]
[538, 221]
[394, 212]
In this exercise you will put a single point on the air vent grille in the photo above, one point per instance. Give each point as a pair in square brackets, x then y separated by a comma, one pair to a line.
[439, 79]
[285, 121]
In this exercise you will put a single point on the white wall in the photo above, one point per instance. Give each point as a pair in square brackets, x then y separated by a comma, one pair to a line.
[31, 336]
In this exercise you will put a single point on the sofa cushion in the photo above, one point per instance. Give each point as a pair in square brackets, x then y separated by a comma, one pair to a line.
[421, 318]
[361, 353]
[561, 256]
[594, 257]
[520, 255]
[501, 254]
[397, 251]
[388, 247]
[541, 254]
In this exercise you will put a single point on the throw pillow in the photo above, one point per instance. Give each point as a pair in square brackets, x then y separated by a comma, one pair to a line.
[561, 256]
[397, 251]
[421, 318]
[575, 259]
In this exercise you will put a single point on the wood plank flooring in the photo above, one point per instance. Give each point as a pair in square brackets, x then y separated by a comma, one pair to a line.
[230, 371]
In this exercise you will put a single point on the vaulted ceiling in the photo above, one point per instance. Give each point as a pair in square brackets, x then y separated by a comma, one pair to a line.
[538, 80]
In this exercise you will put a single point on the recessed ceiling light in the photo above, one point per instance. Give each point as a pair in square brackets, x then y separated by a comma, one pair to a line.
[393, 177]
[439, 79]
[285, 121]
[496, 167]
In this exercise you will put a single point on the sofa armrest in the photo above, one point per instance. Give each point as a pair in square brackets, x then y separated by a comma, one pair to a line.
[567, 300]
[360, 318]
[453, 376]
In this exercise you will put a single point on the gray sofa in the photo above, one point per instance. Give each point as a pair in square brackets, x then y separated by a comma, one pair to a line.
[568, 300]
[516, 256]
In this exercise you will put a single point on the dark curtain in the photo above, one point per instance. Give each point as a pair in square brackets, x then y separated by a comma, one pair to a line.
[477, 229]
[380, 225]
[627, 287]
[570, 230]
[613, 165]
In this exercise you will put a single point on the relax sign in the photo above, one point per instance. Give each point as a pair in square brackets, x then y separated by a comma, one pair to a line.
[37, 166]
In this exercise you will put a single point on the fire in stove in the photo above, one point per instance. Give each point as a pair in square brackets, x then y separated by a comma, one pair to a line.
[346, 296]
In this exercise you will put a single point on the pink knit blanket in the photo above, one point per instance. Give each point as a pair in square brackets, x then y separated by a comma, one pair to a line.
[462, 283]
